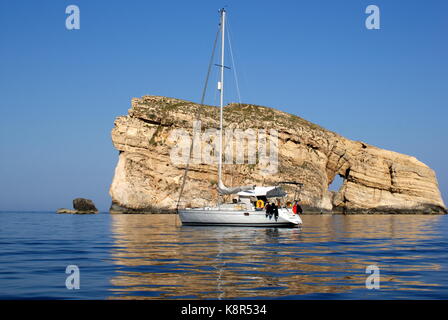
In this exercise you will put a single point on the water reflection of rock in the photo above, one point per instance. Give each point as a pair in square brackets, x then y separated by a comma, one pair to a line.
[159, 259]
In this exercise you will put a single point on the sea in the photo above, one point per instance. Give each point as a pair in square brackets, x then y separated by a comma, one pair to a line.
[44, 255]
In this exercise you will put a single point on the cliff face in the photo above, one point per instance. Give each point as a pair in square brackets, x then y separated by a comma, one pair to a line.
[148, 180]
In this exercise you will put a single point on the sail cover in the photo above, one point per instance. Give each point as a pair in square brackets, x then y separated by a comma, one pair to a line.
[222, 189]
[268, 192]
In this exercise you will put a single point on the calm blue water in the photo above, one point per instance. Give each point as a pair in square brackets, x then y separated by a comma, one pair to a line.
[152, 257]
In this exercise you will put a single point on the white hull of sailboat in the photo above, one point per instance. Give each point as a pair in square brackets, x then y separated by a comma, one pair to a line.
[217, 217]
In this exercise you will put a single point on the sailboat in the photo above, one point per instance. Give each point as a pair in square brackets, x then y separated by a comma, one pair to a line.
[247, 209]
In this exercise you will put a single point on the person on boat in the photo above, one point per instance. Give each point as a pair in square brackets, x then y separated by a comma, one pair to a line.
[297, 209]
[268, 210]
[274, 211]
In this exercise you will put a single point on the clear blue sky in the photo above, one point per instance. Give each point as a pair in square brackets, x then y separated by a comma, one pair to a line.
[60, 90]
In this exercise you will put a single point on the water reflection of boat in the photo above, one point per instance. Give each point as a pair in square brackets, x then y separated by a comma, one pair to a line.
[156, 259]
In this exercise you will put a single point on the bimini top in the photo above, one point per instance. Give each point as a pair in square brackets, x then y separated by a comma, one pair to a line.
[268, 192]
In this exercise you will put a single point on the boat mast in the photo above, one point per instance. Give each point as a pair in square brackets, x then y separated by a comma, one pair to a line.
[221, 89]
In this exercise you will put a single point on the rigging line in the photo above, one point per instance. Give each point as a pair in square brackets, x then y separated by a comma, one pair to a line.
[215, 97]
[209, 69]
[184, 178]
[233, 63]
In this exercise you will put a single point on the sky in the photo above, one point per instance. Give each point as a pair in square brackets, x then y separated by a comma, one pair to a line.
[60, 89]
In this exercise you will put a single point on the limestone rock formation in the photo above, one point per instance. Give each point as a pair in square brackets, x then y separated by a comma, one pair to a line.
[147, 180]
[65, 210]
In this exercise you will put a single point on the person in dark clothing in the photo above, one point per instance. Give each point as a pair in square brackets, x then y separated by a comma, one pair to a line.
[268, 210]
[275, 211]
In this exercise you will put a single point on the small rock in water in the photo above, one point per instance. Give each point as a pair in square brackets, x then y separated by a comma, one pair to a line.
[84, 205]
[81, 206]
